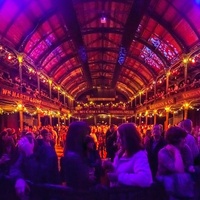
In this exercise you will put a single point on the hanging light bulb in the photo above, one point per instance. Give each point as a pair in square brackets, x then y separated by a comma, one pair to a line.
[103, 20]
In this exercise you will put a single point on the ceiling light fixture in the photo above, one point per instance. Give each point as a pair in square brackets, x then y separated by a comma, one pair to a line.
[103, 20]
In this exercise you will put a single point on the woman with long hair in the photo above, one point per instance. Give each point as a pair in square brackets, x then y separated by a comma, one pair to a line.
[75, 171]
[131, 167]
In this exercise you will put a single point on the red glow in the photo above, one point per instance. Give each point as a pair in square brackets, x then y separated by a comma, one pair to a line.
[9, 57]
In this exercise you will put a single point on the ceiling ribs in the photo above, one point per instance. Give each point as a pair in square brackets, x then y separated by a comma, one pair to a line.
[154, 74]
[137, 11]
[44, 55]
[168, 27]
[71, 21]
[142, 41]
[56, 68]
[134, 91]
[73, 84]
[30, 33]
[73, 87]
[138, 85]
[142, 77]
[62, 78]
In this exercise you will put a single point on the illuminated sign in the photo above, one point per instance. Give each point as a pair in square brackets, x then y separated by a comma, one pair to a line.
[162, 103]
[104, 111]
[19, 96]
[100, 99]
[26, 98]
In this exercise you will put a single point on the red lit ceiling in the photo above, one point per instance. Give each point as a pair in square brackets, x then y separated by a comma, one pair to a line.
[135, 41]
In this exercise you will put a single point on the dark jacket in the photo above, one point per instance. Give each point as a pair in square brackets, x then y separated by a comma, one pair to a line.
[152, 150]
[40, 167]
[75, 171]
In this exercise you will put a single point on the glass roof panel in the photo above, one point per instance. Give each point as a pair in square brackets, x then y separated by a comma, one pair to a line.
[164, 47]
[41, 47]
[47, 32]
[58, 53]
[151, 59]
[32, 42]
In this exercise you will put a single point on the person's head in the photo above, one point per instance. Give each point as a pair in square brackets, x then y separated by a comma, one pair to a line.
[76, 136]
[46, 135]
[89, 143]
[26, 127]
[8, 145]
[113, 128]
[27, 143]
[3, 134]
[93, 129]
[129, 138]
[148, 132]
[187, 125]
[156, 131]
[9, 131]
[176, 136]
[180, 124]
[30, 128]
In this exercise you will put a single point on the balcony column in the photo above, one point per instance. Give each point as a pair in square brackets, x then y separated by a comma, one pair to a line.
[140, 119]
[131, 103]
[50, 88]
[125, 119]
[20, 60]
[155, 117]
[64, 119]
[95, 120]
[135, 118]
[146, 119]
[155, 90]
[58, 93]
[70, 102]
[167, 110]
[167, 120]
[140, 97]
[64, 98]
[21, 116]
[185, 62]
[58, 120]
[38, 82]
[185, 110]
[110, 120]
[146, 97]
[69, 121]
[50, 119]
[20, 76]
[39, 119]
[167, 81]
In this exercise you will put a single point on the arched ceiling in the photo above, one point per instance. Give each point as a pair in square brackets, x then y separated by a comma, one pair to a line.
[120, 45]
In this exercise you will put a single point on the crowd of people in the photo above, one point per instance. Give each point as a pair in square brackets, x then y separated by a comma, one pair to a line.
[129, 158]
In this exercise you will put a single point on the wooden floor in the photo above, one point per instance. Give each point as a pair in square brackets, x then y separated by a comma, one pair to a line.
[59, 151]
